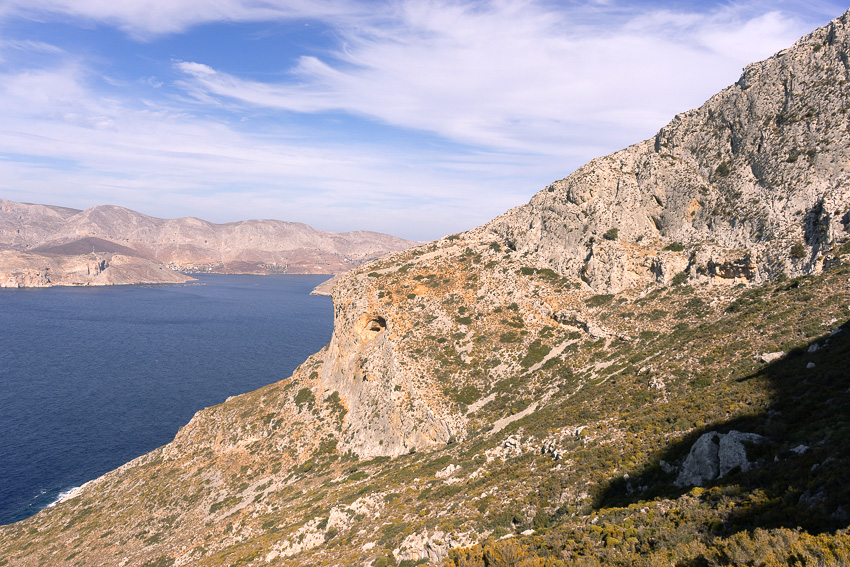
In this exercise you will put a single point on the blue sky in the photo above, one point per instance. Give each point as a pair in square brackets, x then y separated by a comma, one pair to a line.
[419, 118]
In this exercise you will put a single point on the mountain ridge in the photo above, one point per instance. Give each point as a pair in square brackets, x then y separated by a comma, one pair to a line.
[761, 148]
[186, 244]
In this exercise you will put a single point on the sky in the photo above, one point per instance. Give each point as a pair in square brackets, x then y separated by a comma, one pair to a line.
[418, 118]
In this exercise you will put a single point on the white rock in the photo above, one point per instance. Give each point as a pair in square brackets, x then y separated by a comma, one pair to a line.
[771, 356]
[714, 455]
[447, 472]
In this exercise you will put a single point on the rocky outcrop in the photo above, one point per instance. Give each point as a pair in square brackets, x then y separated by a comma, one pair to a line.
[21, 269]
[750, 185]
[433, 547]
[390, 412]
[714, 455]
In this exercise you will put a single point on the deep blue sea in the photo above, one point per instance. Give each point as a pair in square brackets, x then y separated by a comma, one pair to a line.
[91, 378]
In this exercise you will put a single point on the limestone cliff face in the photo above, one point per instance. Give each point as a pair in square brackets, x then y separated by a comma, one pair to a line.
[753, 184]
[389, 411]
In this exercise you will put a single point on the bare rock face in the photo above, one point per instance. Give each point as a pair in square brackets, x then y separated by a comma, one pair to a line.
[750, 185]
[390, 412]
[21, 269]
[714, 455]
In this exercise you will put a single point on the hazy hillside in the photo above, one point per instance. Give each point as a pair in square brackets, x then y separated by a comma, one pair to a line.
[22, 224]
[645, 365]
[51, 234]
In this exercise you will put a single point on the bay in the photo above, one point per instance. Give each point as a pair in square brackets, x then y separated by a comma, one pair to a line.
[91, 378]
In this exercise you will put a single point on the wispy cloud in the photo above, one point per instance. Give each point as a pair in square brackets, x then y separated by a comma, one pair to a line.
[65, 144]
[519, 75]
[31, 46]
[145, 20]
[481, 104]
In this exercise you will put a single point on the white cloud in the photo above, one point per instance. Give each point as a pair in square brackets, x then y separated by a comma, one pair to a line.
[519, 75]
[31, 46]
[530, 90]
[66, 144]
[145, 19]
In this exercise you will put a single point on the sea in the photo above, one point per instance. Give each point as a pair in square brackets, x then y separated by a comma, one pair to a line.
[93, 377]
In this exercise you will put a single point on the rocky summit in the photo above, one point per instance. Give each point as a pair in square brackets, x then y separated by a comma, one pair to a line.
[645, 365]
[46, 245]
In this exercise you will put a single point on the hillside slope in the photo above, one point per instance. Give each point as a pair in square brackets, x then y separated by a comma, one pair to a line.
[753, 184]
[645, 365]
[25, 223]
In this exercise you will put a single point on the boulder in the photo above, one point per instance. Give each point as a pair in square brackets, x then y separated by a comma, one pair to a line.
[714, 455]
[769, 357]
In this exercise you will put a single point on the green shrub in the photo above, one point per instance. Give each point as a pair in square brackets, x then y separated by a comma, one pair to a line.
[305, 396]
[680, 278]
[336, 406]
[509, 338]
[537, 351]
[611, 234]
[466, 395]
[674, 247]
[598, 300]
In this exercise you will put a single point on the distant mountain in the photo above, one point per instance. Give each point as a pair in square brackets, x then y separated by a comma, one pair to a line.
[23, 223]
[188, 244]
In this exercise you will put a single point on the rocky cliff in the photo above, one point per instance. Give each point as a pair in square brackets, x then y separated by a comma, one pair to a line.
[22, 269]
[532, 392]
[750, 185]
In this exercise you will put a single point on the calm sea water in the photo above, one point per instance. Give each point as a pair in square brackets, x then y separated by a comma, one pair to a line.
[91, 378]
